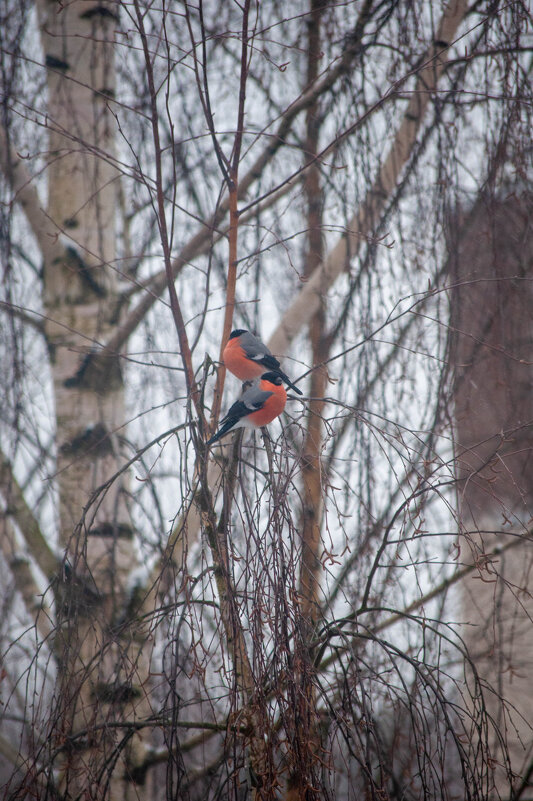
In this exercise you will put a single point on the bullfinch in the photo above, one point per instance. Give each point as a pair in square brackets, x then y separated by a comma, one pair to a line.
[258, 405]
[247, 357]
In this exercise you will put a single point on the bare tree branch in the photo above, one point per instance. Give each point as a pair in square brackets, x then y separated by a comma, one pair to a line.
[26, 583]
[365, 218]
[25, 193]
[17, 507]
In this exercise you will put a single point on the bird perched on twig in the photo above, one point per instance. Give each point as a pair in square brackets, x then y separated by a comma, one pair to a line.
[247, 357]
[258, 405]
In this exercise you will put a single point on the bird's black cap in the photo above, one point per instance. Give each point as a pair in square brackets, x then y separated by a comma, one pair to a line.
[274, 378]
[237, 333]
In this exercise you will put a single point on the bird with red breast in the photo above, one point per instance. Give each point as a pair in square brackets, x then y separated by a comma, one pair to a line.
[257, 406]
[247, 358]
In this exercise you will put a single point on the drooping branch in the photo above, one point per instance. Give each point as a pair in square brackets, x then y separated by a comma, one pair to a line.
[483, 565]
[335, 627]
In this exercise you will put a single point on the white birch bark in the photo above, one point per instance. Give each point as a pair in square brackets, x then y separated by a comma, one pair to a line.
[101, 668]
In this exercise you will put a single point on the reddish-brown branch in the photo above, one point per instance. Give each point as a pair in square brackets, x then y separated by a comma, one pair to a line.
[230, 297]
[233, 188]
[237, 144]
[312, 484]
[302, 778]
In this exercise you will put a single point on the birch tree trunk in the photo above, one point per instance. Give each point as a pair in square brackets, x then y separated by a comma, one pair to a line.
[100, 672]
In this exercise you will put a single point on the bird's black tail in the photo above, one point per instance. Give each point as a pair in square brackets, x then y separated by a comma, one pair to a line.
[289, 382]
[228, 425]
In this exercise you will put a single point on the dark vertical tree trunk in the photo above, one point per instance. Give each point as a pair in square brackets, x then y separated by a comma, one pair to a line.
[306, 738]
[492, 322]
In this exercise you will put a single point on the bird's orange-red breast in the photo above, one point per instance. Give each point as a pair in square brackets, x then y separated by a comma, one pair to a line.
[258, 405]
[247, 358]
[273, 406]
[238, 363]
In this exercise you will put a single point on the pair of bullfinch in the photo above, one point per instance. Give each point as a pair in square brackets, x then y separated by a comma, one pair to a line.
[249, 359]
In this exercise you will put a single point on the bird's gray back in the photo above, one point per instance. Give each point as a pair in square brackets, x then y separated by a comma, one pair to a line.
[253, 346]
[255, 397]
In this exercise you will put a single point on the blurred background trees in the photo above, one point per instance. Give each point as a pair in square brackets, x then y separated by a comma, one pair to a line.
[341, 608]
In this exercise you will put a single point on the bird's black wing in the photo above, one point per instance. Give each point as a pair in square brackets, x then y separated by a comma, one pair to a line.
[258, 351]
[252, 400]
[267, 360]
